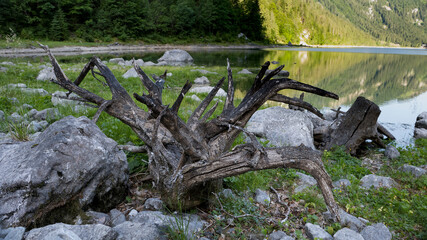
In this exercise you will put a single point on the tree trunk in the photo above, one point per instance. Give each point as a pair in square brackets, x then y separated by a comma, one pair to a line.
[186, 158]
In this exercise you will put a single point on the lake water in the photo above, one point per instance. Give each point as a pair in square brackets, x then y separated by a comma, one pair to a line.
[395, 79]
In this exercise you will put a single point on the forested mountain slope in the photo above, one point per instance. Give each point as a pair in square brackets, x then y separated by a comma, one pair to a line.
[349, 22]
[397, 21]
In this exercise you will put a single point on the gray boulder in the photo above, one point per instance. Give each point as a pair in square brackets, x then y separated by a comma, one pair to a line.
[416, 171]
[282, 127]
[1, 115]
[207, 89]
[347, 234]
[279, 235]
[70, 158]
[391, 152]
[97, 218]
[376, 232]
[153, 204]
[348, 220]
[176, 55]
[135, 230]
[262, 197]
[316, 232]
[72, 232]
[304, 182]
[375, 181]
[202, 81]
[16, 233]
[46, 74]
[139, 62]
[130, 73]
[116, 217]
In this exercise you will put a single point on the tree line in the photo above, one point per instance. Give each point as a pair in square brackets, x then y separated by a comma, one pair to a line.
[107, 20]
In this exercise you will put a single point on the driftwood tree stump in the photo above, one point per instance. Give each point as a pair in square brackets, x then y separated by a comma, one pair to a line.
[186, 158]
[357, 125]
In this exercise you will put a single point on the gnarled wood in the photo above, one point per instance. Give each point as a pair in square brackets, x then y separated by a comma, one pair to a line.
[186, 159]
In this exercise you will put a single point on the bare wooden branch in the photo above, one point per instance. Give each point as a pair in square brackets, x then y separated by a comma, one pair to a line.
[101, 108]
[296, 102]
[178, 101]
[229, 102]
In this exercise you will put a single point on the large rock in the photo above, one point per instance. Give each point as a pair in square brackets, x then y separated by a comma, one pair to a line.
[72, 232]
[316, 232]
[279, 235]
[422, 115]
[12, 233]
[348, 220]
[282, 127]
[46, 114]
[201, 80]
[262, 197]
[375, 181]
[176, 55]
[391, 152]
[420, 133]
[46, 74]
[71, 165]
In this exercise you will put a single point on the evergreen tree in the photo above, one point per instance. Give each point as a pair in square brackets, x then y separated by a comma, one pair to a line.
[58, 30]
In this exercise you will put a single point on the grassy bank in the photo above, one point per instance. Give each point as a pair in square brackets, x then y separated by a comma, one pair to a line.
[402, 209]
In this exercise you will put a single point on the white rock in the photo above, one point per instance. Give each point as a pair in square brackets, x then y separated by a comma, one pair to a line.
[176, 55]
[202, 80]
[130, 73]
[195, 98]
[316, 232]
[245, 71]
[347, 234]
[46, 74]
[375, 181]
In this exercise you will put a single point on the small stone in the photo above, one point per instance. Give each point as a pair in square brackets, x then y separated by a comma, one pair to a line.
[207, 89]
[1, 115]
[35, 126]
[416, 171]
[347, 234]
[8, 63]
[116, 60]
[116, 217]
[279, 235]
[139, 62]
[195, 98]
[201, 80]
[31, 113]
[376, 232]
[203, 71]
[133, 213]
[46, 74]
[130, 73]
[47, 114]
[162, 63]
[391, 152]
[375, 181]
[15, 118]
[316, 232]
[245, 71]
[17, 85]
[169, 74]
[3, 69]
[342, 183]
[39, 91]
[149, 63]
[305, 181]
[262, 197]
[14, 100]
[153, 204]
[16, 233]
[227, 193]
[348, 220]
[27, 106]
[98, 217]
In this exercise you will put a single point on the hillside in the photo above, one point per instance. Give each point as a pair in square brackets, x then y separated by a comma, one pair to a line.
[396, 21]
[308, 22]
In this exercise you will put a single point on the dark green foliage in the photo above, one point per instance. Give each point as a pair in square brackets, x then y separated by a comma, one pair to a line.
[106, 20]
